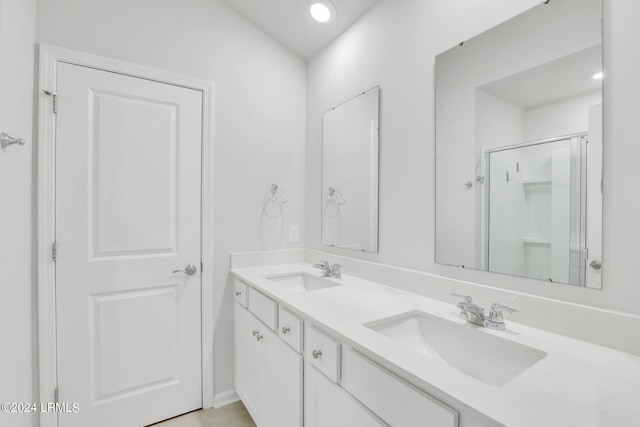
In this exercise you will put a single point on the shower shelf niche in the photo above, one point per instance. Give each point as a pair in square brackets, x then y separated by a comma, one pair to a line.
[536, 182]
[536, 241]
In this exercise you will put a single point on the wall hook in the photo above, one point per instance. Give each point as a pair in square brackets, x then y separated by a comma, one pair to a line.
[7, 140]
[337, 197]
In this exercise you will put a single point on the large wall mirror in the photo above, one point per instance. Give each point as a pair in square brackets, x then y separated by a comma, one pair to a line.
[350, 173]
[519, 147]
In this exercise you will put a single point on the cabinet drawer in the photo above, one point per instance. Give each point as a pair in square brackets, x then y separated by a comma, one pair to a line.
[290, 329]
[322, 352]
[397, 402]
[264, 308]
[241, 292]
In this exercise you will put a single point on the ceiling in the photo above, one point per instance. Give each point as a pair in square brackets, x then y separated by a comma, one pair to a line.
[289, 21]
[565, 77]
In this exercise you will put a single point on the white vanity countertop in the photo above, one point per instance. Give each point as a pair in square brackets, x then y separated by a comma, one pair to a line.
[577, 384]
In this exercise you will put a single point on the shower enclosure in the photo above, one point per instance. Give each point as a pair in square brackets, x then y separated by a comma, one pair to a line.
[536, 209]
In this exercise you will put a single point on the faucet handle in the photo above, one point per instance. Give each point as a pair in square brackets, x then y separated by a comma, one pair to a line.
[467, 298]
[496, 320]
[335, 270]
[322, 265]
[499, 307]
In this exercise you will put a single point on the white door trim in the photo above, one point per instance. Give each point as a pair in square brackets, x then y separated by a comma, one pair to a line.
[50, 57]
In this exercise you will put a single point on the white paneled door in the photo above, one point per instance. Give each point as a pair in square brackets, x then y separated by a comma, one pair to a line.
[128, 191]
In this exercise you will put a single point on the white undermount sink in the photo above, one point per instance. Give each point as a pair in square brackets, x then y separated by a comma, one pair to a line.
[302, 282]
[483, 356]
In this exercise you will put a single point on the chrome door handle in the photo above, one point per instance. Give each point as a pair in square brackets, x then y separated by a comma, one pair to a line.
[596, 264]
[189, 270]
[316, 353]
[6, 140]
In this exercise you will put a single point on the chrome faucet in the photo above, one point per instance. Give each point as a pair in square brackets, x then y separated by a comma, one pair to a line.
[324, 266]
[335, 270]
[329, 271]
[475, 314]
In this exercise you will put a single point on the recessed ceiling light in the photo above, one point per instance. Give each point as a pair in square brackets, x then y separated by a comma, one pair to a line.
[322, 10]
[598, 76]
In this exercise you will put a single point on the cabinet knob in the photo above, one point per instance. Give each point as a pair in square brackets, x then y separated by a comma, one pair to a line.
[316, 353]
[285, 329]
[259, 337]
[238, 293]
[255, 333]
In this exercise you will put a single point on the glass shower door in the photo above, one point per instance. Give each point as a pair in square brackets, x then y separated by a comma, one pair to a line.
[536, 210]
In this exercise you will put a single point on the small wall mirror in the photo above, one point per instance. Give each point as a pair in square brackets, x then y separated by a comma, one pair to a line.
[350, 135]
[519, 147]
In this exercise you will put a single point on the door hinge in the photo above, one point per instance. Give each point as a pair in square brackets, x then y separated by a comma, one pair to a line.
[54, 95]
[55, 395]
[54, 251]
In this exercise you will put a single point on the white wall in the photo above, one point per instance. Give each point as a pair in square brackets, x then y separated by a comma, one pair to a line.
[259, 114]
[394, 46]
[564, 117]
[17, 36]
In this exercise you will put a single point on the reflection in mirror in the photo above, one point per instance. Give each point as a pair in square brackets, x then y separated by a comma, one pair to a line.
[519, 147]
[350, 173]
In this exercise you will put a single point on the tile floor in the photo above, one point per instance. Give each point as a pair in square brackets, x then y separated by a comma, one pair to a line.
[234, 415]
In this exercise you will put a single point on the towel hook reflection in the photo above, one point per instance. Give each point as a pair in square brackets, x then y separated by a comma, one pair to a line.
[278, 194]
[337, 197]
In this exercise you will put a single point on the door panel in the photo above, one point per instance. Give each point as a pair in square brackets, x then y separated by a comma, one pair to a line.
[133, 212]
[121, 341]
[127, 215]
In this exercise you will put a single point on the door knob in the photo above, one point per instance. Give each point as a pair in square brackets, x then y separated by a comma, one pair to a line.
[189, 270]
[596, 264]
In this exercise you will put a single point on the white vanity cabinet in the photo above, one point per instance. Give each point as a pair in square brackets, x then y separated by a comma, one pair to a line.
[250, 369]
[391, 398]
[283, 384]
[268, 373]
[340, 388]
[327, 405]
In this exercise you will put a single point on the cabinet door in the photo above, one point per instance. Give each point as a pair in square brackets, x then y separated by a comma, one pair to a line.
[284, 383]
[250, 363]
[327, 405]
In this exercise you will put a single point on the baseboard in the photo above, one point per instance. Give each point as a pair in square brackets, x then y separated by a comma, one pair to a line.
[225, 398]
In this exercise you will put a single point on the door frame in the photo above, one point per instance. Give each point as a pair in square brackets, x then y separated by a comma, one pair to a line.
[49, 57]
